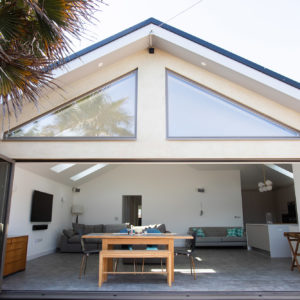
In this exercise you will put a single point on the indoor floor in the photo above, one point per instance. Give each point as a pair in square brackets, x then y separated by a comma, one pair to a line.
[221, 269]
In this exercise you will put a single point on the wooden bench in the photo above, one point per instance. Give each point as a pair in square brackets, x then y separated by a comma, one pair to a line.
[104, 255]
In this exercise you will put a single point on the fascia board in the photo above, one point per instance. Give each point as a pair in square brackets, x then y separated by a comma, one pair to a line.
[108, 49]
[225, 62]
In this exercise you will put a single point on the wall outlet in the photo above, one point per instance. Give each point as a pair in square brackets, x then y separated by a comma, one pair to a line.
[38, 240]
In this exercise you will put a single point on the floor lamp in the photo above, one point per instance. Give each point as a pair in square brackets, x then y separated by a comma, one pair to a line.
[77, 210]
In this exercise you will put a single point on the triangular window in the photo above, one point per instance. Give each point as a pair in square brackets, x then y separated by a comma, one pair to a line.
[196, 112]
[108, 112]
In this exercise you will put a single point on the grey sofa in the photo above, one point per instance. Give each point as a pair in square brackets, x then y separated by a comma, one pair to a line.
[217, 236]
[70, 238]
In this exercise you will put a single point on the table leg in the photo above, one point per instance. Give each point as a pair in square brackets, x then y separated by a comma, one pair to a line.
[100, 269]
[171, 249]
[104, 261]
[169, 271]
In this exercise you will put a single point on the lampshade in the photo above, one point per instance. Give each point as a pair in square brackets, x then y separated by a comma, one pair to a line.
[77, 209]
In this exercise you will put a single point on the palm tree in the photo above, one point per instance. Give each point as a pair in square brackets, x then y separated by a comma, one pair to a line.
[96, 115]
[33, 35]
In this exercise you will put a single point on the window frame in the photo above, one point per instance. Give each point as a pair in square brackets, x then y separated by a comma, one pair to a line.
[231, 101]
[80, 138]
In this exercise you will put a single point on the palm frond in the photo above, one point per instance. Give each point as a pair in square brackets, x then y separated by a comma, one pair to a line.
[33, 35]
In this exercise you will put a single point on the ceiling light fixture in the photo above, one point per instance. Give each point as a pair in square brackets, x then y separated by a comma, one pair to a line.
[203, 63]
[266, 185]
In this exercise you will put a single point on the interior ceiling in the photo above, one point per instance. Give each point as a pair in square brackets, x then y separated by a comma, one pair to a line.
[251, 174]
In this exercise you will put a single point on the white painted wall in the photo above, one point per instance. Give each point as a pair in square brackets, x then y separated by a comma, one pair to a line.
[169, 195]
[296, 172]
[44, 241]
[151, 142]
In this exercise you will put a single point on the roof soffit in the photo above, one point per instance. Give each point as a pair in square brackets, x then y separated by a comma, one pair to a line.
[186, 49]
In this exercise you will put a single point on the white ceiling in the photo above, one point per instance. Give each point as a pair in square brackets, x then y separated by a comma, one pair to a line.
[251, 174]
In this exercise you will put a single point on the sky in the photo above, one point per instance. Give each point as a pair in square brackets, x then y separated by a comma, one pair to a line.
[266, 32]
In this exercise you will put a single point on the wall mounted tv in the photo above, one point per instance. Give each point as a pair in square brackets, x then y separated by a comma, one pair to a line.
[41, 207]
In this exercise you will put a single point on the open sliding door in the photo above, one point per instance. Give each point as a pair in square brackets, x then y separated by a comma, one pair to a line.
[6, 179]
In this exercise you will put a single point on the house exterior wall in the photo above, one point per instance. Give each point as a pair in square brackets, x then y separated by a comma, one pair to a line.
[151, 142]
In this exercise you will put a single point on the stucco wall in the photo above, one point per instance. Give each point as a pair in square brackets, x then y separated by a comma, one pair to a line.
[151, 122]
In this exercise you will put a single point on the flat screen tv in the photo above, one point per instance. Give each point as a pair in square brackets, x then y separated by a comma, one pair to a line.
[41, 207]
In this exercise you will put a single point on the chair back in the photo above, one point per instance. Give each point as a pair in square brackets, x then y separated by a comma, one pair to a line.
[193, 242]
[82, 245]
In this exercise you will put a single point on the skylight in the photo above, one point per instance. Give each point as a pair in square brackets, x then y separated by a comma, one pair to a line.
[88, 172]
[281, 170]
[61, 167]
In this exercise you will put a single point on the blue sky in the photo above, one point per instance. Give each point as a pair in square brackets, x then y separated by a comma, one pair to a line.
[266, 32]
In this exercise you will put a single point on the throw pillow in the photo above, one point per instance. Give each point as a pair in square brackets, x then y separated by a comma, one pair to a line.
[231, 232]
[200, 232]
[78, 228]
[239, 231]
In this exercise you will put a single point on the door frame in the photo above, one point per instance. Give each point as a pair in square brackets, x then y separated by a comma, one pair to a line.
[6, 213]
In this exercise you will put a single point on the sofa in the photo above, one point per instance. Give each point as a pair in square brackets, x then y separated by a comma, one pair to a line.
[70, 240]
[219, 237]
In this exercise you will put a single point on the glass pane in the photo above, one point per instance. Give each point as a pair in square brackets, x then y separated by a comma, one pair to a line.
[194, 111]
[5, 173]
[107, 112]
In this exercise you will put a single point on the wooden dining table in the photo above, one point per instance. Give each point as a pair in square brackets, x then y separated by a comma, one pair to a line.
[109, 240]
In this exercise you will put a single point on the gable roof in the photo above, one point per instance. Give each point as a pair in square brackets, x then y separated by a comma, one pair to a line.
[187, 47]
[189, 37]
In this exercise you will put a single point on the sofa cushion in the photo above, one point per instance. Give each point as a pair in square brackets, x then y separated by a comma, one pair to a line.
[231, 232]
[98, 228]
[78, 228]
[88, 229]
[75, 239]
[208, 239]
[68, 232]
[161, 228]
[234, 239]
[113, 227]
[215, 231]
[199, 232]
[239, 231]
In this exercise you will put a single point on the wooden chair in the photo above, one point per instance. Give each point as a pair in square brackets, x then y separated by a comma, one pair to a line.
[189, 253]
[85, 255]
[294, 237]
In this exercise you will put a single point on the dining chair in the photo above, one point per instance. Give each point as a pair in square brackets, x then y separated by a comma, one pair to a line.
[85, 254]
[189, 253]
[152, 247]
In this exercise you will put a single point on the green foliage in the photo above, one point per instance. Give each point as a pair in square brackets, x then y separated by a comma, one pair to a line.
[33, 35]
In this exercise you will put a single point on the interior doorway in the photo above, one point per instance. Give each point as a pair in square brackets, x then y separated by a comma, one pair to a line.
[132, 209]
